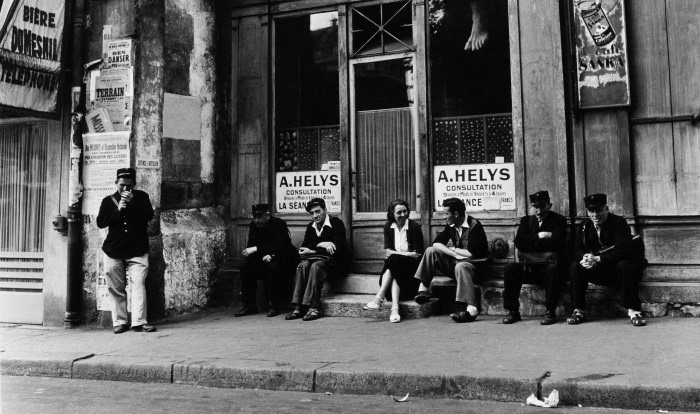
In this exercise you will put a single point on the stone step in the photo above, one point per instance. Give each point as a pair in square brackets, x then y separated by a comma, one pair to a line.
[349, 305]
[365, 284]
[355, 290]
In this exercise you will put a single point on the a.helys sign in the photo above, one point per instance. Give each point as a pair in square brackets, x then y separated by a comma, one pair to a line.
[295, 189]
[480, 186]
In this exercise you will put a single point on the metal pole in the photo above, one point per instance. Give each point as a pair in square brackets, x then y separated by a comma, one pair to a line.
[75, 222]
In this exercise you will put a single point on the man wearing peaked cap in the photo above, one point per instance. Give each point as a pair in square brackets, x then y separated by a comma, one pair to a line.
[606, 254]
[126, 213]
[540, 240]
[270, 256]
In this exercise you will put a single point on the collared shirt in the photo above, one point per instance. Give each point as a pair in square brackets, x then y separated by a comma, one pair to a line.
[459, 229]
[325, 223]
[400, 237]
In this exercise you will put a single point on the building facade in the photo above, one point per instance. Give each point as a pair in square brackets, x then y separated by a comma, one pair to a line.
[362, 102]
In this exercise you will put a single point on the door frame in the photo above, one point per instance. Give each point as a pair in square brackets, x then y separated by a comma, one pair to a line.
[371, 216]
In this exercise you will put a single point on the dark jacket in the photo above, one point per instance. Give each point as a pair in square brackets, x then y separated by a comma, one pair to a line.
[335, 234]
[273, 239]
[414, 234]
[128, 229]
[527, 240]
[473, 240]
[614, 232]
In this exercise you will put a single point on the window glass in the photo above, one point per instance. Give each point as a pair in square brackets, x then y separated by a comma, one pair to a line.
[382, 28]
[384, 134]
[306, 92]
[470, 101]
[470, 82]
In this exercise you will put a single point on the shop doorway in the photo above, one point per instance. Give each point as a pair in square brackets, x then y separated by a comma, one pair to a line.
[384, 157]
[23, 185]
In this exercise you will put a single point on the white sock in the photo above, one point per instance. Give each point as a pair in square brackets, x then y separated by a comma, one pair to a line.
[422, 288]
[472, 310]
[632, 313]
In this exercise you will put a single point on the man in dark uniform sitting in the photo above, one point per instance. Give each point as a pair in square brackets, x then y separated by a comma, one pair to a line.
[269, 255]
[607, 255]
[126, 213]
[540, 240]
[324, 253]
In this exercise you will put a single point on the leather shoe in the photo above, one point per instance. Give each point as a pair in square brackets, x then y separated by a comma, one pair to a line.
[512, 317]
[463, 316]
[120, 329]
[245, 311]
[144, 328]
[422, 297]
[295, 314]
[272, 312]
[548, 319]
[312, 315]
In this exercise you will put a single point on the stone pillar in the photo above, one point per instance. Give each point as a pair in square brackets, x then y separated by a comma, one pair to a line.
[147, 133]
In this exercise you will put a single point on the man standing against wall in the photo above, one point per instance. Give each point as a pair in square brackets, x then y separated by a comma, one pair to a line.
[541, 244]
[458, 261]
[126, 213]
[607, 255]
[269, 255]
[324, 253]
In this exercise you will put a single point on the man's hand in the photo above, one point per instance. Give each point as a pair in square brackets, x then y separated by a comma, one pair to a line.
[248, 251]
[544, 235]
[589, 261]
[125, 199]
[461, 254]
[267, 258]
[328, 246]
[305, 251]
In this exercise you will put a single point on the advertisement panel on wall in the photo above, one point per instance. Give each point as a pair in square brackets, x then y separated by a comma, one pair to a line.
[31, 37]
[601, 53]
[295, 189]
[111, 92]
[481, 186]
[103, 155]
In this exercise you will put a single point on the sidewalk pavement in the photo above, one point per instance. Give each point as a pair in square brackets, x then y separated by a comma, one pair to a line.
[606, 363]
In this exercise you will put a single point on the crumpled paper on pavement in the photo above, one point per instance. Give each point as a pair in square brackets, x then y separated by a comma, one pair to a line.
[549, 402]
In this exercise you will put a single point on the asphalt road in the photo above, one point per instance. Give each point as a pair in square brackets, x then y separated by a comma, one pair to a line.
[33, 395]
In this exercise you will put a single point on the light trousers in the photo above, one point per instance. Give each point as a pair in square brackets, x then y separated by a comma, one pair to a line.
[463, 272]
[116, 272]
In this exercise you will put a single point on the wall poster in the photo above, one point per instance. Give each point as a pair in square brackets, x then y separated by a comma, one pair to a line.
[481, 186]
[601, 53]
[103, 155]
[295, 189]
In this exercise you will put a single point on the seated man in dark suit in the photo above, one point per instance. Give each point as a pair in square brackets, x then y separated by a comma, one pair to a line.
[607, 255]
[269, 255]
[541, 240]
[324, 253]
[468, 242]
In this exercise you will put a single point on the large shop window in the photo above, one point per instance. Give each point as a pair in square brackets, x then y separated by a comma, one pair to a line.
[23, 164]
[470, 101]
[306, 92]
[307, 111]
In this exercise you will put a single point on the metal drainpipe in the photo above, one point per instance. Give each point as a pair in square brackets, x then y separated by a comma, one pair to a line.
[75, 223]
